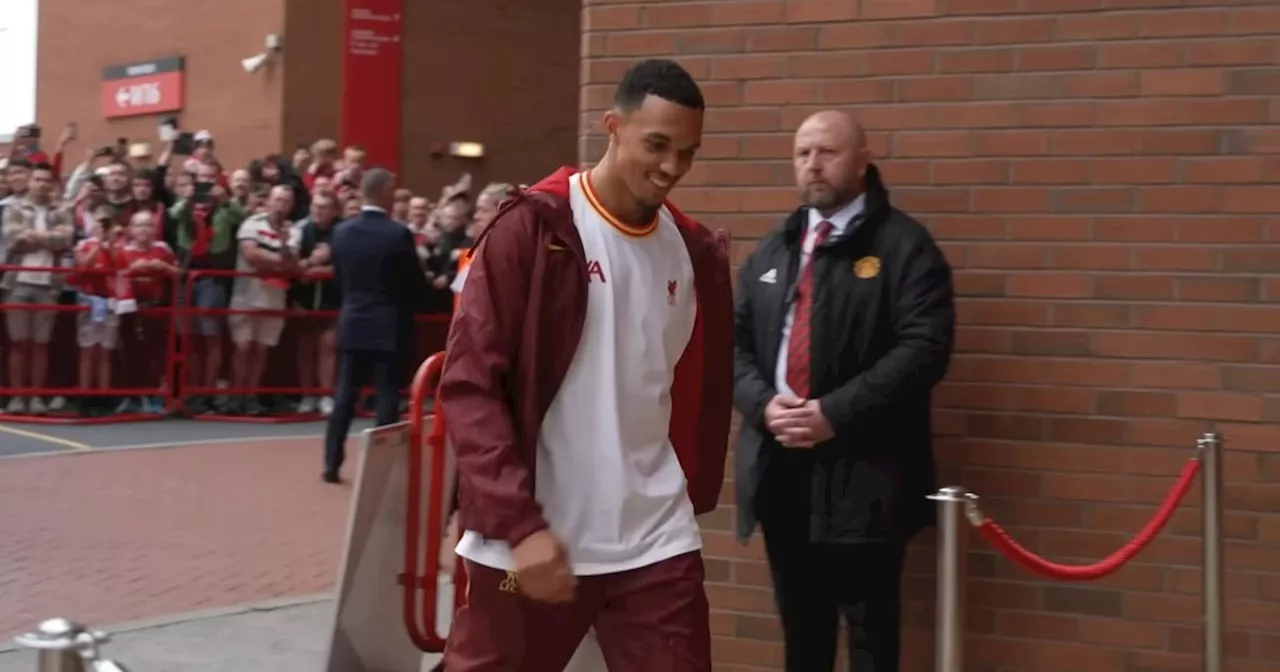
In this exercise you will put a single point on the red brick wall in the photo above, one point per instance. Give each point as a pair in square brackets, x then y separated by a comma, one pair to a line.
[468, 76]
[312, 72]
[501, 73]
[76, 39]
[479, 71]
[1096, 177]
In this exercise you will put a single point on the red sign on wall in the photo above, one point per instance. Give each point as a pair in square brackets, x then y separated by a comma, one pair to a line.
[372, 61]
[148, 87]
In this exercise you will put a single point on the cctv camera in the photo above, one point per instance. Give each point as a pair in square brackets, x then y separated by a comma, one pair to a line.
[254, 63]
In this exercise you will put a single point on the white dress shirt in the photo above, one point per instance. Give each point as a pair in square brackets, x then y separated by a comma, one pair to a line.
[840, 221]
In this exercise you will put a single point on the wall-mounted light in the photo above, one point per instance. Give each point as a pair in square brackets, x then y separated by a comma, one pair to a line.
[467, 150]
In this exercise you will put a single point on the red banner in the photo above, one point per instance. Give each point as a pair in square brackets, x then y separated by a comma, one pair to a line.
[372, 63]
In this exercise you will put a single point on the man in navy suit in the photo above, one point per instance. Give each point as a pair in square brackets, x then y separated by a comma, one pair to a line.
[381, 284]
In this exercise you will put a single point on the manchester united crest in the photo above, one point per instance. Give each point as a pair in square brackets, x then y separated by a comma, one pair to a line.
[866, 268]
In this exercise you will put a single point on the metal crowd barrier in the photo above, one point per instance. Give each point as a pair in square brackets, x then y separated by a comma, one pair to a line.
[421, 576]
[956, 506]
[177, 347]
[136, 331]
[438, 324]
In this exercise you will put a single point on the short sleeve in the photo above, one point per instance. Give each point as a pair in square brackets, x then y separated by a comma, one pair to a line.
[250, 229]
[165, 253]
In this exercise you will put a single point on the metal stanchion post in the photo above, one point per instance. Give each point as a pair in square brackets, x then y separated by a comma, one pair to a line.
[66, 646]
[1210, 445]
[58, 642]
[954, 504]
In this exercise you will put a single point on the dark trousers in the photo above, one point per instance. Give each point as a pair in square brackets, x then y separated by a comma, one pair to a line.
[651, 619]
[815, 584]
[354, 368]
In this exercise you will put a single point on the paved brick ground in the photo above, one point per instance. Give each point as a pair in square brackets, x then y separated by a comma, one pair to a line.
[112, 536]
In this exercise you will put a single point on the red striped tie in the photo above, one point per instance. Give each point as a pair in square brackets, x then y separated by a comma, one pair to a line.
[798, 364]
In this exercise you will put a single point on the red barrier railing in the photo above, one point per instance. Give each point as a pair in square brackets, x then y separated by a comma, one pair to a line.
[438, 325]
[113, 340]
[183, 353]
[421, 583]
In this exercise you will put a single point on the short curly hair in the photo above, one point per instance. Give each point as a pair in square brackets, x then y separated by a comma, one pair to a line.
[659, 77]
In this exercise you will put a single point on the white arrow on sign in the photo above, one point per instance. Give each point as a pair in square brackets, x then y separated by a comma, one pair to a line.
[138, 95]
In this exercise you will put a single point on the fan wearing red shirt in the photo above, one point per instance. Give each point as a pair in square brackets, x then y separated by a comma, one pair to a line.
[147, 265]
[97, 325]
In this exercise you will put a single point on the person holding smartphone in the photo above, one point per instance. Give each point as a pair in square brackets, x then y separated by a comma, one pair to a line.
[97, 324]
[205, 228]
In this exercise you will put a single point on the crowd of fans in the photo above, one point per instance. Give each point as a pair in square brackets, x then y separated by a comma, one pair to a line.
[126, 231]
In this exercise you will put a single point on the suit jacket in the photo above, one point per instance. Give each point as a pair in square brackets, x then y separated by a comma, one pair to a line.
[376, 271]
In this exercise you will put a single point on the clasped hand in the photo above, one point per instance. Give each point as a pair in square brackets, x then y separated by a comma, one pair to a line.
[797, 423]
[543, 571]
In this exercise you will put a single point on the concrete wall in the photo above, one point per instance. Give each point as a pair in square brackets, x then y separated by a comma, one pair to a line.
[1100, 175]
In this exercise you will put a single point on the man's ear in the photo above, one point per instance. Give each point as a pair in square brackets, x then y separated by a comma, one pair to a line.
[864, 161]
[610, 122]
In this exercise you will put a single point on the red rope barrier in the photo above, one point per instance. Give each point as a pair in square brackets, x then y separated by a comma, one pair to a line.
[1011, 549]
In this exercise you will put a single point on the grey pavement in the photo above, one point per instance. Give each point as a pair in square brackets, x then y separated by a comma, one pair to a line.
[12, 445]
[292, 635]
[180, 431]
[24, 439]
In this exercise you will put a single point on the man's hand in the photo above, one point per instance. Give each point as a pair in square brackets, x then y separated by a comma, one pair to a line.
[797, 424]
[288, 263]
[440, 282]
[777, 409]
[542, 569]
[321, 255]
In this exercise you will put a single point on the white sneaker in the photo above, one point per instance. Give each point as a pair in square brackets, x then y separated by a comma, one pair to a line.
[37, 406]
[17, 406]
[326, 406]
[307, 406]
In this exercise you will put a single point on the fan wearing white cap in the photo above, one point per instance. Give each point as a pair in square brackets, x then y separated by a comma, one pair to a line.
[202, 151]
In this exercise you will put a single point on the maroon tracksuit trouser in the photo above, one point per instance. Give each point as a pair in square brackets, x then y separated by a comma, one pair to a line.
[651, 619]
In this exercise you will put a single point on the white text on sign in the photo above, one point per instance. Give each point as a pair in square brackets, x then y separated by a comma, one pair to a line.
[139, 95]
